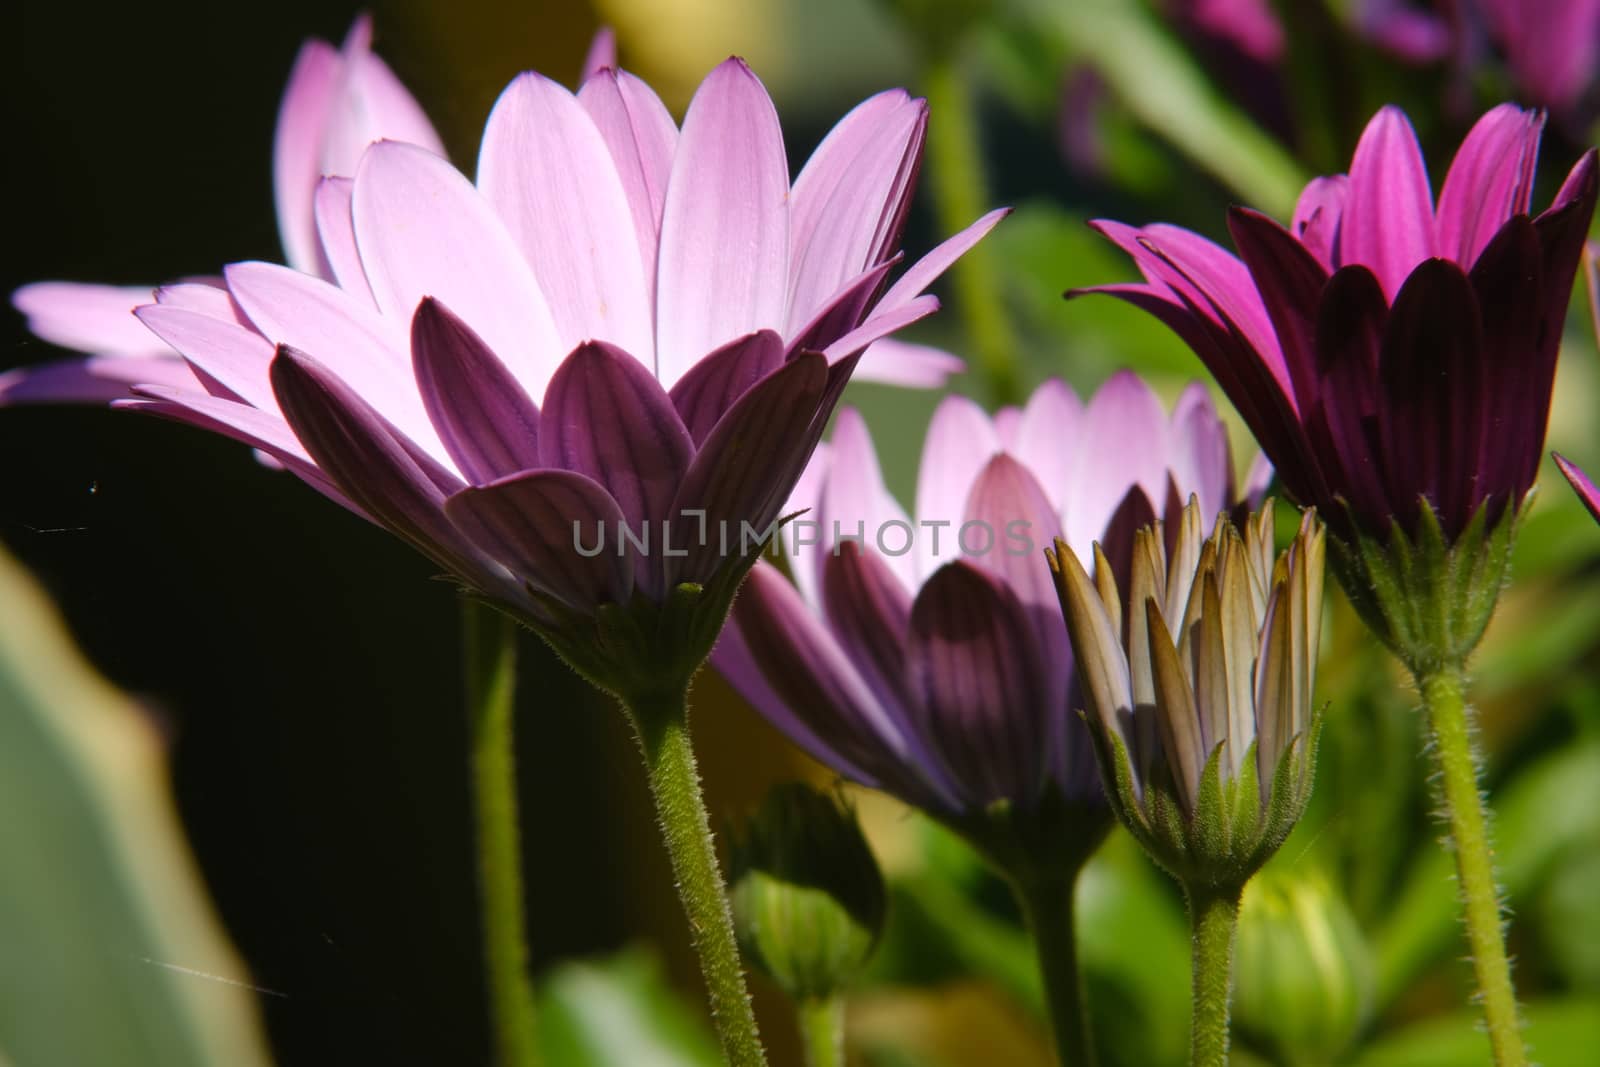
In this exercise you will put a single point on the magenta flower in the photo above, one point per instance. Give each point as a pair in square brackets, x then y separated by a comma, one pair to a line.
[929, 660]
[337, 102]
[1385, 351]
[1580, 481]
[622, 324]
[1551, 48]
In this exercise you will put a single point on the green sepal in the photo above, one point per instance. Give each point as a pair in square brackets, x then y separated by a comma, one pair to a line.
[1245, 801]
[1210, 835]
[1429, 600]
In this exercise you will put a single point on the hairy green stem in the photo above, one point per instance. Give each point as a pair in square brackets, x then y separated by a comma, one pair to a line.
[1213, 918]
[1047, 905]
[661, 725]
[1443, 696]
[490, 659]
[822, 1030]
[961, 195]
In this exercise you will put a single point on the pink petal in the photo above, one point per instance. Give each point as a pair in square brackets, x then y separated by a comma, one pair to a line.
[1388, 215]
[642, 139]
[925, 271]
[341, 333]
[881, 324]
[97, 319]
[233, 357]
[960, 441]
[297, 149]
[1048, 435]
[725, 228]
[370, 105]
[423, 230]
[892, 362]
[602, 54]
[1490, 180]
[547, 172]
[1317, 215]
[1198, 454]
[1017, 522]
[1124, 434]
[855, 503]
[337, 236]
[1580, 482]
[204, 297]
[92, 380]
[849, 203]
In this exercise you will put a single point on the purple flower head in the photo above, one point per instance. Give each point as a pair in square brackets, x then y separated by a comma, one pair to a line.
[337, 102]
[564, 381]
[1586, 489]
[928, 659]
[1384, 350]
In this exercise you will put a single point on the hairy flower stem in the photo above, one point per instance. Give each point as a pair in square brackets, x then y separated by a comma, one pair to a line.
[1213, 919]
[1444, 698]
[822, 1031]
[661, 726]
[960, 193]
[1047, 904]
[489, 651]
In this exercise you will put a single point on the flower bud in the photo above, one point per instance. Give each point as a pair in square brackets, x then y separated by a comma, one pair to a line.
[808, 900]
[1197, 680]
[1303, 971]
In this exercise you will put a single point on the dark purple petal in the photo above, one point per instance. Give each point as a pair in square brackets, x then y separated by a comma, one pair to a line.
[1135, 512]
[841, 722]
[606, 416]
[1290, 281]
[1431, 371]
[555, 530]
[870, 610]
[745, 469]
[1580, 482]
[1519, 371]
[371, 462]
[1316, 217]
[487, 423]
[710, 387]
[978, 672]
[1341, 428]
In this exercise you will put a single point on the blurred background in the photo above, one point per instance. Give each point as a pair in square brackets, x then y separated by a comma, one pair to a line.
[289, 706]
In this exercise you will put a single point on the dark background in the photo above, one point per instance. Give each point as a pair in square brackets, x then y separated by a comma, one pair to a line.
[302, 663]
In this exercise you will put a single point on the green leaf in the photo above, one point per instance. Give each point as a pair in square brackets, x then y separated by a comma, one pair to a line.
[619, 1010]
[112, 953]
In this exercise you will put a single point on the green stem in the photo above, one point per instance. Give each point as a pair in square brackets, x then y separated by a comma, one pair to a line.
[961, 195]
[661, 725]
[490, 659]
[1047, 905]
[1443, 695]
[822, 1031]
[1213, 917]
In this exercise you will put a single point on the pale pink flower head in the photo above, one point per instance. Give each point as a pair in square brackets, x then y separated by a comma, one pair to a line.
[927, 657]
[621, 329]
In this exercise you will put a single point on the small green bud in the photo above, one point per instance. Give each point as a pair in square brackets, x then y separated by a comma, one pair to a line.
[1302, 967]
[808, 900]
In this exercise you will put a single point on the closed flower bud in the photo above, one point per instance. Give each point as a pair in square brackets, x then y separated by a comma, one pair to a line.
[1303, 971]
[1198, 681]
[808, 900]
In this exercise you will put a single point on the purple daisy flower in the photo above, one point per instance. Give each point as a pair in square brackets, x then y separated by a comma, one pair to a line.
[1386, 351]
[929, 660]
